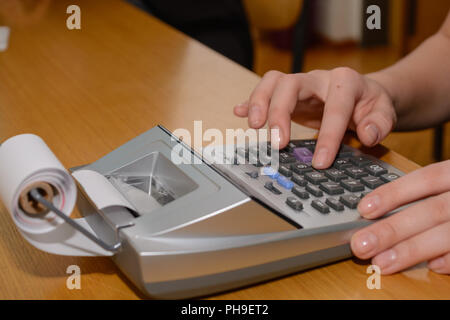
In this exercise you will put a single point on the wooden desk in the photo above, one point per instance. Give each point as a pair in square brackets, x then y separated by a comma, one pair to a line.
[86, 92]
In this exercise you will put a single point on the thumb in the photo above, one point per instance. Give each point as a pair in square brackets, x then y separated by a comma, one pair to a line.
[375, 127]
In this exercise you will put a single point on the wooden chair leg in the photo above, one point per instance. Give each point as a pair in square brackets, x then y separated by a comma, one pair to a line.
[438, 143]
[300, 37]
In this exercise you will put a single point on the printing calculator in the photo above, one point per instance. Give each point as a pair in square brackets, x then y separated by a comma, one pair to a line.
[200, 227]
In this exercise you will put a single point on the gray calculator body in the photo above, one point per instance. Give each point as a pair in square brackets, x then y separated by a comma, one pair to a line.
[210, 228]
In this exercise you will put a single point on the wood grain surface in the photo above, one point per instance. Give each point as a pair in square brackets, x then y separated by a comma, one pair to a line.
[88, 91]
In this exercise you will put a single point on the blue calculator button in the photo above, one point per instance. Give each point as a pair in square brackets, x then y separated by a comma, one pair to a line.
[270, 172]
[285, 182]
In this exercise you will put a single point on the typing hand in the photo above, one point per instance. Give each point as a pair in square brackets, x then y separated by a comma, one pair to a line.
[418, 233]
[330, 100]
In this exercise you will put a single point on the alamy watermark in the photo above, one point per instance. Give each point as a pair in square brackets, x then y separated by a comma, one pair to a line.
[374, 280]
[74, 280]
[74, 20]
[237, 146]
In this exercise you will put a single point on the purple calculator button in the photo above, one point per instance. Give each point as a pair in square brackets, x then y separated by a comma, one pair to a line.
[303, 154]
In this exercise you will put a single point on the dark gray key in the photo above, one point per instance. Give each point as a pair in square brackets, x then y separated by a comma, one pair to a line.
[335, 175]
[286, 158]
[253, 174]
[301, 168]
[356, 172]
[298, 180]
[269, 186]
[345, 152]
[302, 194]
[372, 182]
[342, 164]
[360, 161]
[306, 143]
[376, 170]
[331, 188]
[388, 177]
[363, 194]
[352, 185]
[285, 171]
[351, 201]
[315, 177]
[290, 146]
[335, 204]
[294, 203]
[252, 159]
[320, 206]
[314, 190]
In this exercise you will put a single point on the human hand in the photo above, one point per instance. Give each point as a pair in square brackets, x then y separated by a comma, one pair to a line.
[420, 232]
[330, 100]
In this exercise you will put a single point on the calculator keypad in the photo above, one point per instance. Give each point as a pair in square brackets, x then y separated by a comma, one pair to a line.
[310, 197]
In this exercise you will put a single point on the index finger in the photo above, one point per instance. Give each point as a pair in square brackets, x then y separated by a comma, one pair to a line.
[344, 90]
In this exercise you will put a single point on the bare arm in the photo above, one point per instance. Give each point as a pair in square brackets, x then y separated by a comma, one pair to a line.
[419, 84]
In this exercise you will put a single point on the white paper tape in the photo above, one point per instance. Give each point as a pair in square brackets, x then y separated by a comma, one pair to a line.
[24, 160]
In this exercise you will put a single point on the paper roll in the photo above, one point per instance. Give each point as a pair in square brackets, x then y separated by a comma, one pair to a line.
[26, 161]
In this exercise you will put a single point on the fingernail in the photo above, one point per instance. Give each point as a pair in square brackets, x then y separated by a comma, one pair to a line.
[386, 259]
[320, 157]
[255, 115]
[368, 205]
[275, 137]
[437, 264]
[373, 133]
[364, 243]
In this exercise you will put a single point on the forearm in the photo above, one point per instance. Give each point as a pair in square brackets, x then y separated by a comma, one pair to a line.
[419, 84]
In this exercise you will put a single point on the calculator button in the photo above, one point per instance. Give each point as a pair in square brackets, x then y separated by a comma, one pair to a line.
[342, 164]
[270, 172]
[298, 180]
[300, 193]
[253, 174]
[294, 203]
[363, 194]
[314, 190]
[350, 201]
[352, 185]
[355, 172]
[335, 204]
[335, 175]
[286, 158]
[320, 206]
[301, 168]
[388, 177]
[290, 147]
[285, 182]
[372, 182]
[252, 159]
[285, 171]
[315, 177]
[264, 159]
[360, 161]
[376, 170]
[303, 154]
[345, 152]
[306, 143]
[331, 188]
[269, 186]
